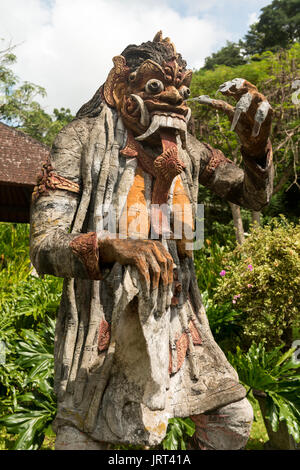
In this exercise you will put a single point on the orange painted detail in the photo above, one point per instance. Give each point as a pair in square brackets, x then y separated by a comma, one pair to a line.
[85, 247]
[103, 336]
[131, 147]
[182, 346]
[135, 221]
[181, 350]
[195, 333]
[48, 180]
[183, 218]
[177, 288]
[164, 169]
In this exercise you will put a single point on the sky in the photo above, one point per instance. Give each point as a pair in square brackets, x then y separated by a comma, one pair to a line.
[66, 46]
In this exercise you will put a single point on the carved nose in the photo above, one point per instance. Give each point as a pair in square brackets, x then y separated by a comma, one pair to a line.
[171, 95]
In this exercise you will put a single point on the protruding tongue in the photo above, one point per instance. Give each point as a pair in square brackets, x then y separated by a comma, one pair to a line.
[159, 208]
[168, 138]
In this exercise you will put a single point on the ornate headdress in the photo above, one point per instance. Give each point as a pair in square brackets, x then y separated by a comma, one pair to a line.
[160, 51]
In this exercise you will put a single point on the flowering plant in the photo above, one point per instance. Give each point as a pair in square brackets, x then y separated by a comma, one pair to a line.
[263, 281]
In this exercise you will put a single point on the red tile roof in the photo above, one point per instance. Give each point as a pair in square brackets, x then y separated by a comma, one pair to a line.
[21, 157]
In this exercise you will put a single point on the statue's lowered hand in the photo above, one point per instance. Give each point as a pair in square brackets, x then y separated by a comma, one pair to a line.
[151, 259]
[251, 118]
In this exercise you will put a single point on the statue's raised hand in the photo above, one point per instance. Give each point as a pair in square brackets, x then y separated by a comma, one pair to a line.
[251, 117]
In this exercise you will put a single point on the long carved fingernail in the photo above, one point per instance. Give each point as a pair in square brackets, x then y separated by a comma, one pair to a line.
[238, 82]
[225, 86]
[236, 117]
[242, 106]
[260, 116]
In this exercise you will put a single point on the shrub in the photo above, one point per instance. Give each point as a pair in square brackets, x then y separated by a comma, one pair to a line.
[261, 278]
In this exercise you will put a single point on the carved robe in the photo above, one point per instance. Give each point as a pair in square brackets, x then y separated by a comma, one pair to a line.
[122, 371]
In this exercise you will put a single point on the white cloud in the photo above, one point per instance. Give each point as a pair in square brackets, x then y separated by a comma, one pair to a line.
[68, 45]
[253, 18]
[211, 6]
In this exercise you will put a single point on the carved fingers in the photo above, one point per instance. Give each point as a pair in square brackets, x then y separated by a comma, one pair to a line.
[242, 106]
[160, 263]
[152, 260]
[252, 109]
[155, 267]
[252, 115]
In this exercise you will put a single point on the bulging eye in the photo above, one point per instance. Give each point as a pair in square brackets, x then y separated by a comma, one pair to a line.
[185, 92]
[154, 86]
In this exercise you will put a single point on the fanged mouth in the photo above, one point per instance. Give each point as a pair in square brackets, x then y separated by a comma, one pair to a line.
[160, 119]
[167, 120]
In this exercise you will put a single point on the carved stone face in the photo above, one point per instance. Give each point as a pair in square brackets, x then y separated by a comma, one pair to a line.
[151, 98]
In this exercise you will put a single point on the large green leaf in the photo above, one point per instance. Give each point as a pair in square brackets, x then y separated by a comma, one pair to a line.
[278, 376]
[179, 430]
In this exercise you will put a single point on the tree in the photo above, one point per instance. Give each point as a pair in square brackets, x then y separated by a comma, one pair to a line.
[19, 106]
[230, 55]
[278, 27]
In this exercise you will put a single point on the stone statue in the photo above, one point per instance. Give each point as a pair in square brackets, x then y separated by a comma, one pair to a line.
[133, 347]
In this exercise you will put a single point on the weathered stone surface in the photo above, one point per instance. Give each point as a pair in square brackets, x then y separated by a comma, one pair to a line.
[130, 354]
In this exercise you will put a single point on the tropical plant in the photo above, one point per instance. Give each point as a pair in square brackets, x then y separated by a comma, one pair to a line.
[278, 376]
[32, 405]
[178, 433]
[28, 307]
[225, 323]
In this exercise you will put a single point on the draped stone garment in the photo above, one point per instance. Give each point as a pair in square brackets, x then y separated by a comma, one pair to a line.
[123, 367]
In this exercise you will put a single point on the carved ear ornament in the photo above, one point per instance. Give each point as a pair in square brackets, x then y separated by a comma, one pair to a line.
[118, 73]
[187, 78]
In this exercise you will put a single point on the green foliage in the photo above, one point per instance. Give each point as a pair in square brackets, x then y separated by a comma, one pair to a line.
[225, 323]
[28, 307]
[278, 376]
[24, 299]
[263, 281]
[208, 263]
[19, 106]
[229, 55]
[273, 74]
[178, 432]
[277, 27]
[33, 403]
